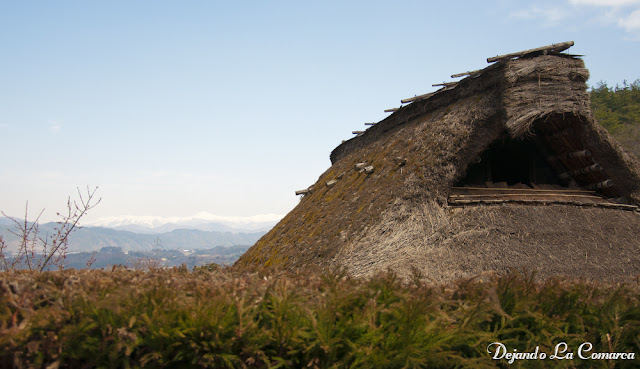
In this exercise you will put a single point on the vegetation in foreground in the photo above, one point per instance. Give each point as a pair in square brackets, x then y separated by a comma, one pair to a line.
[219, 318]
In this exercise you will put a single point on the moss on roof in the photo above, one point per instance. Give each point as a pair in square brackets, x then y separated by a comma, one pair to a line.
[399, 212]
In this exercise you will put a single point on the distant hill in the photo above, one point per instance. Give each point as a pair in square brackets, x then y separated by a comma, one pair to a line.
[94, 238]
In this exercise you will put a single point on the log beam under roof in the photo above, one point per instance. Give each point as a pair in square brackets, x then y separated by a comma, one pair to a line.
[553, 47]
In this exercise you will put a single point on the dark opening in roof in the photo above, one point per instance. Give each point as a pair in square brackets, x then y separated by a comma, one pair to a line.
[511, 162]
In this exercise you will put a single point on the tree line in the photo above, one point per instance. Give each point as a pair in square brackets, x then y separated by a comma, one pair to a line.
[617, 108]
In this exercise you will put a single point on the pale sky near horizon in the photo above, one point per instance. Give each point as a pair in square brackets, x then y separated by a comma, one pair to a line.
[227, 107]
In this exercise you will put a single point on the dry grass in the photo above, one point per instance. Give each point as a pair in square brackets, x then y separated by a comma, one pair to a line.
[541, 86]
[447, 244]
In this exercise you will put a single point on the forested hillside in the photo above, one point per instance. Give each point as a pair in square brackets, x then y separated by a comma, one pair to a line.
[618, 110]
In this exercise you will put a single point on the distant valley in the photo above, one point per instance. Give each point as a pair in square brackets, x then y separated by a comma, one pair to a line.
[107, 257]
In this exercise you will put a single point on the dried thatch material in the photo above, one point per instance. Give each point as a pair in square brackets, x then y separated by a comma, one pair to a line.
[538, 87]
[398, 215]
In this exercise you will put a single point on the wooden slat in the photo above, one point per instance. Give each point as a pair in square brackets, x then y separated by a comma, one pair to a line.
[391, 110]
[545, 202]
[620, 206]
[553, 47]
[522, 190]
[507, 195]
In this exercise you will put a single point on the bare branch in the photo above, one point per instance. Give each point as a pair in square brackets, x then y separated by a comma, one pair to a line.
[38, 252]
[28, 235]
[67, 225]
[91, 260]
[4, 265]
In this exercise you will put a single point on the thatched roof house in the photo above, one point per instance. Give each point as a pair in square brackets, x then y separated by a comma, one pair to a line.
[505, 169]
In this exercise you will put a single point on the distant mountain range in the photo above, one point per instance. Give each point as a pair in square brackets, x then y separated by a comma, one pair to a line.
[202, 221]
[147, 233]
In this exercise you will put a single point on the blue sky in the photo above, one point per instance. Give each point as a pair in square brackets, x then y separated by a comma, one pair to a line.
[179, 107]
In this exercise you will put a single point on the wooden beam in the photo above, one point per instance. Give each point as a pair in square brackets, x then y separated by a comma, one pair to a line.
[391, 110]
[553, 47]
[370, 124]
[416, 98]
[445, 84]
[529, 190]
[305, 191]
[506, 195]
[400, 161]
[357, 132]
[601, 185]
[565, 176]
[588, 169]
[578, 154]
[546, 202]
[581, 154]
[466, 73]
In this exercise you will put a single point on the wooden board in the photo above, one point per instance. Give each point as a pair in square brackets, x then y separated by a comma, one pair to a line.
[480, 195]
[480, 190]
[554, 47]
[465, 73]
[545, 202]
[416, 98]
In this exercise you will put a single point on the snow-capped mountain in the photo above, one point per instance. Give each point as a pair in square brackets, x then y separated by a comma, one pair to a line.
[203, 221]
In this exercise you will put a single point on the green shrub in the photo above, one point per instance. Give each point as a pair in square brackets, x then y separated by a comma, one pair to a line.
[223, 319]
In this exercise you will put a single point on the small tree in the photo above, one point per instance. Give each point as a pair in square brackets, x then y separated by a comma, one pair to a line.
[4, 265]
[37, 252]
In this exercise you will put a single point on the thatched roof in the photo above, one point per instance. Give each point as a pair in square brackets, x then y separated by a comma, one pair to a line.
[398, 214]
